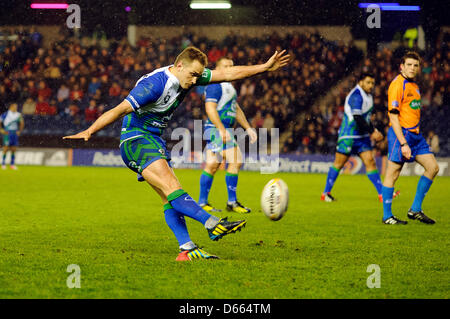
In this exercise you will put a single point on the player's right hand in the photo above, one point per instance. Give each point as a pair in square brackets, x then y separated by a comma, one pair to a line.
[278, 60]
[406, 152]
[86, 135]
[225, 135]
[252, 135]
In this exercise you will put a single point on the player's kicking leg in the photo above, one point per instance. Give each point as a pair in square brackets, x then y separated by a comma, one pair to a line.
[233, 156]
[429, 163]
[206, 180]
[160, 175]
[176, 222]
[392, 173]
[333, 173]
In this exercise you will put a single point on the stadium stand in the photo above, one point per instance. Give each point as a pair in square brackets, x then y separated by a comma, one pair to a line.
[64, 86]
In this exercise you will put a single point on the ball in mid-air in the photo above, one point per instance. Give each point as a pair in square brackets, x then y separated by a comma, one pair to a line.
[275, 199]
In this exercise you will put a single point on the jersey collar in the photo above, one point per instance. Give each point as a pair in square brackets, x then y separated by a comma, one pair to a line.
[171, 76]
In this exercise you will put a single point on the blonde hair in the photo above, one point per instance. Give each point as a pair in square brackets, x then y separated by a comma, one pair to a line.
[191, 54]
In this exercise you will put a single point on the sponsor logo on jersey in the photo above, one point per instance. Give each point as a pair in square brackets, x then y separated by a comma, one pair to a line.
[167, 98]
[415, 104]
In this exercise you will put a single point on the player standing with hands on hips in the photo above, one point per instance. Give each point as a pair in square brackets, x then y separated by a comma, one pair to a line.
[405, 143]
[146, 111]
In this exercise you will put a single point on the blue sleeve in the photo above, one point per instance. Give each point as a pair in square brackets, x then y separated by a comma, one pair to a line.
[146, 91]
[356, 101]
[213, 93]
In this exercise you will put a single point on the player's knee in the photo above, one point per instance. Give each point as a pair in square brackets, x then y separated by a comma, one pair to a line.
[433, 169]
[371, 165]
[338, 164]
[234, 167]
[210, 169]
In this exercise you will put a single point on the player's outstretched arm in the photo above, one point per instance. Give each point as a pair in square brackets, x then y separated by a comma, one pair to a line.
[105, 119]
[278, 60]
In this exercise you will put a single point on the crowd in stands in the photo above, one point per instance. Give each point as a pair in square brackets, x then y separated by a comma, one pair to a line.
[77, 80]
[73, 81]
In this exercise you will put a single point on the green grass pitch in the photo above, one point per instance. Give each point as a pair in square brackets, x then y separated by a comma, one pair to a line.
[113, 227]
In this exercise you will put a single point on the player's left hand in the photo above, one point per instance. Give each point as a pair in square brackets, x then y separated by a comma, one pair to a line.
[406, 151]
[252, 134]
[86, 135]
[278, 60]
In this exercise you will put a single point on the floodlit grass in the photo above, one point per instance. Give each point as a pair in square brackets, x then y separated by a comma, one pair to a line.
[113, 228]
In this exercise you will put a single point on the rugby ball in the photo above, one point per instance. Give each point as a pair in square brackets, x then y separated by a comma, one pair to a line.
[275, 199]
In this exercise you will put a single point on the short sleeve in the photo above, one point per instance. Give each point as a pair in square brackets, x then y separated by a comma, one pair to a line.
[205, 78]
[356, 101]
[213, 93]
[395, 93]
[146, 91]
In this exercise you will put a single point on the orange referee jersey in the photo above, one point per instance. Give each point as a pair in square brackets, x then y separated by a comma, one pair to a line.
[404, 95]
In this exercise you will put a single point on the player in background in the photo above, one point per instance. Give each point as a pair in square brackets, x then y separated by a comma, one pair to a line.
[223, 112]
[405, 143]
[355, 135]
[11, 126]
[146, 111]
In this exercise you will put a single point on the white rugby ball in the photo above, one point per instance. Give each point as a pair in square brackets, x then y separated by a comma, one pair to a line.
[275, 199]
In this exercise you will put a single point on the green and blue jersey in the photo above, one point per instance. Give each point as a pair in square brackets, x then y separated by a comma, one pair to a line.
[11, 121]
[154, 100]
[357, 102]
[224, 94]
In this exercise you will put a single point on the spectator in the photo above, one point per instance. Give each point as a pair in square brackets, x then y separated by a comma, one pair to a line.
[76, 94]
[63, 93]
[114, 90]
[29, 107]
[44, 91]
[91, 113]
[433, 141]
[257, 121]
[93, 86]
[269, 122]
[42, 106]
